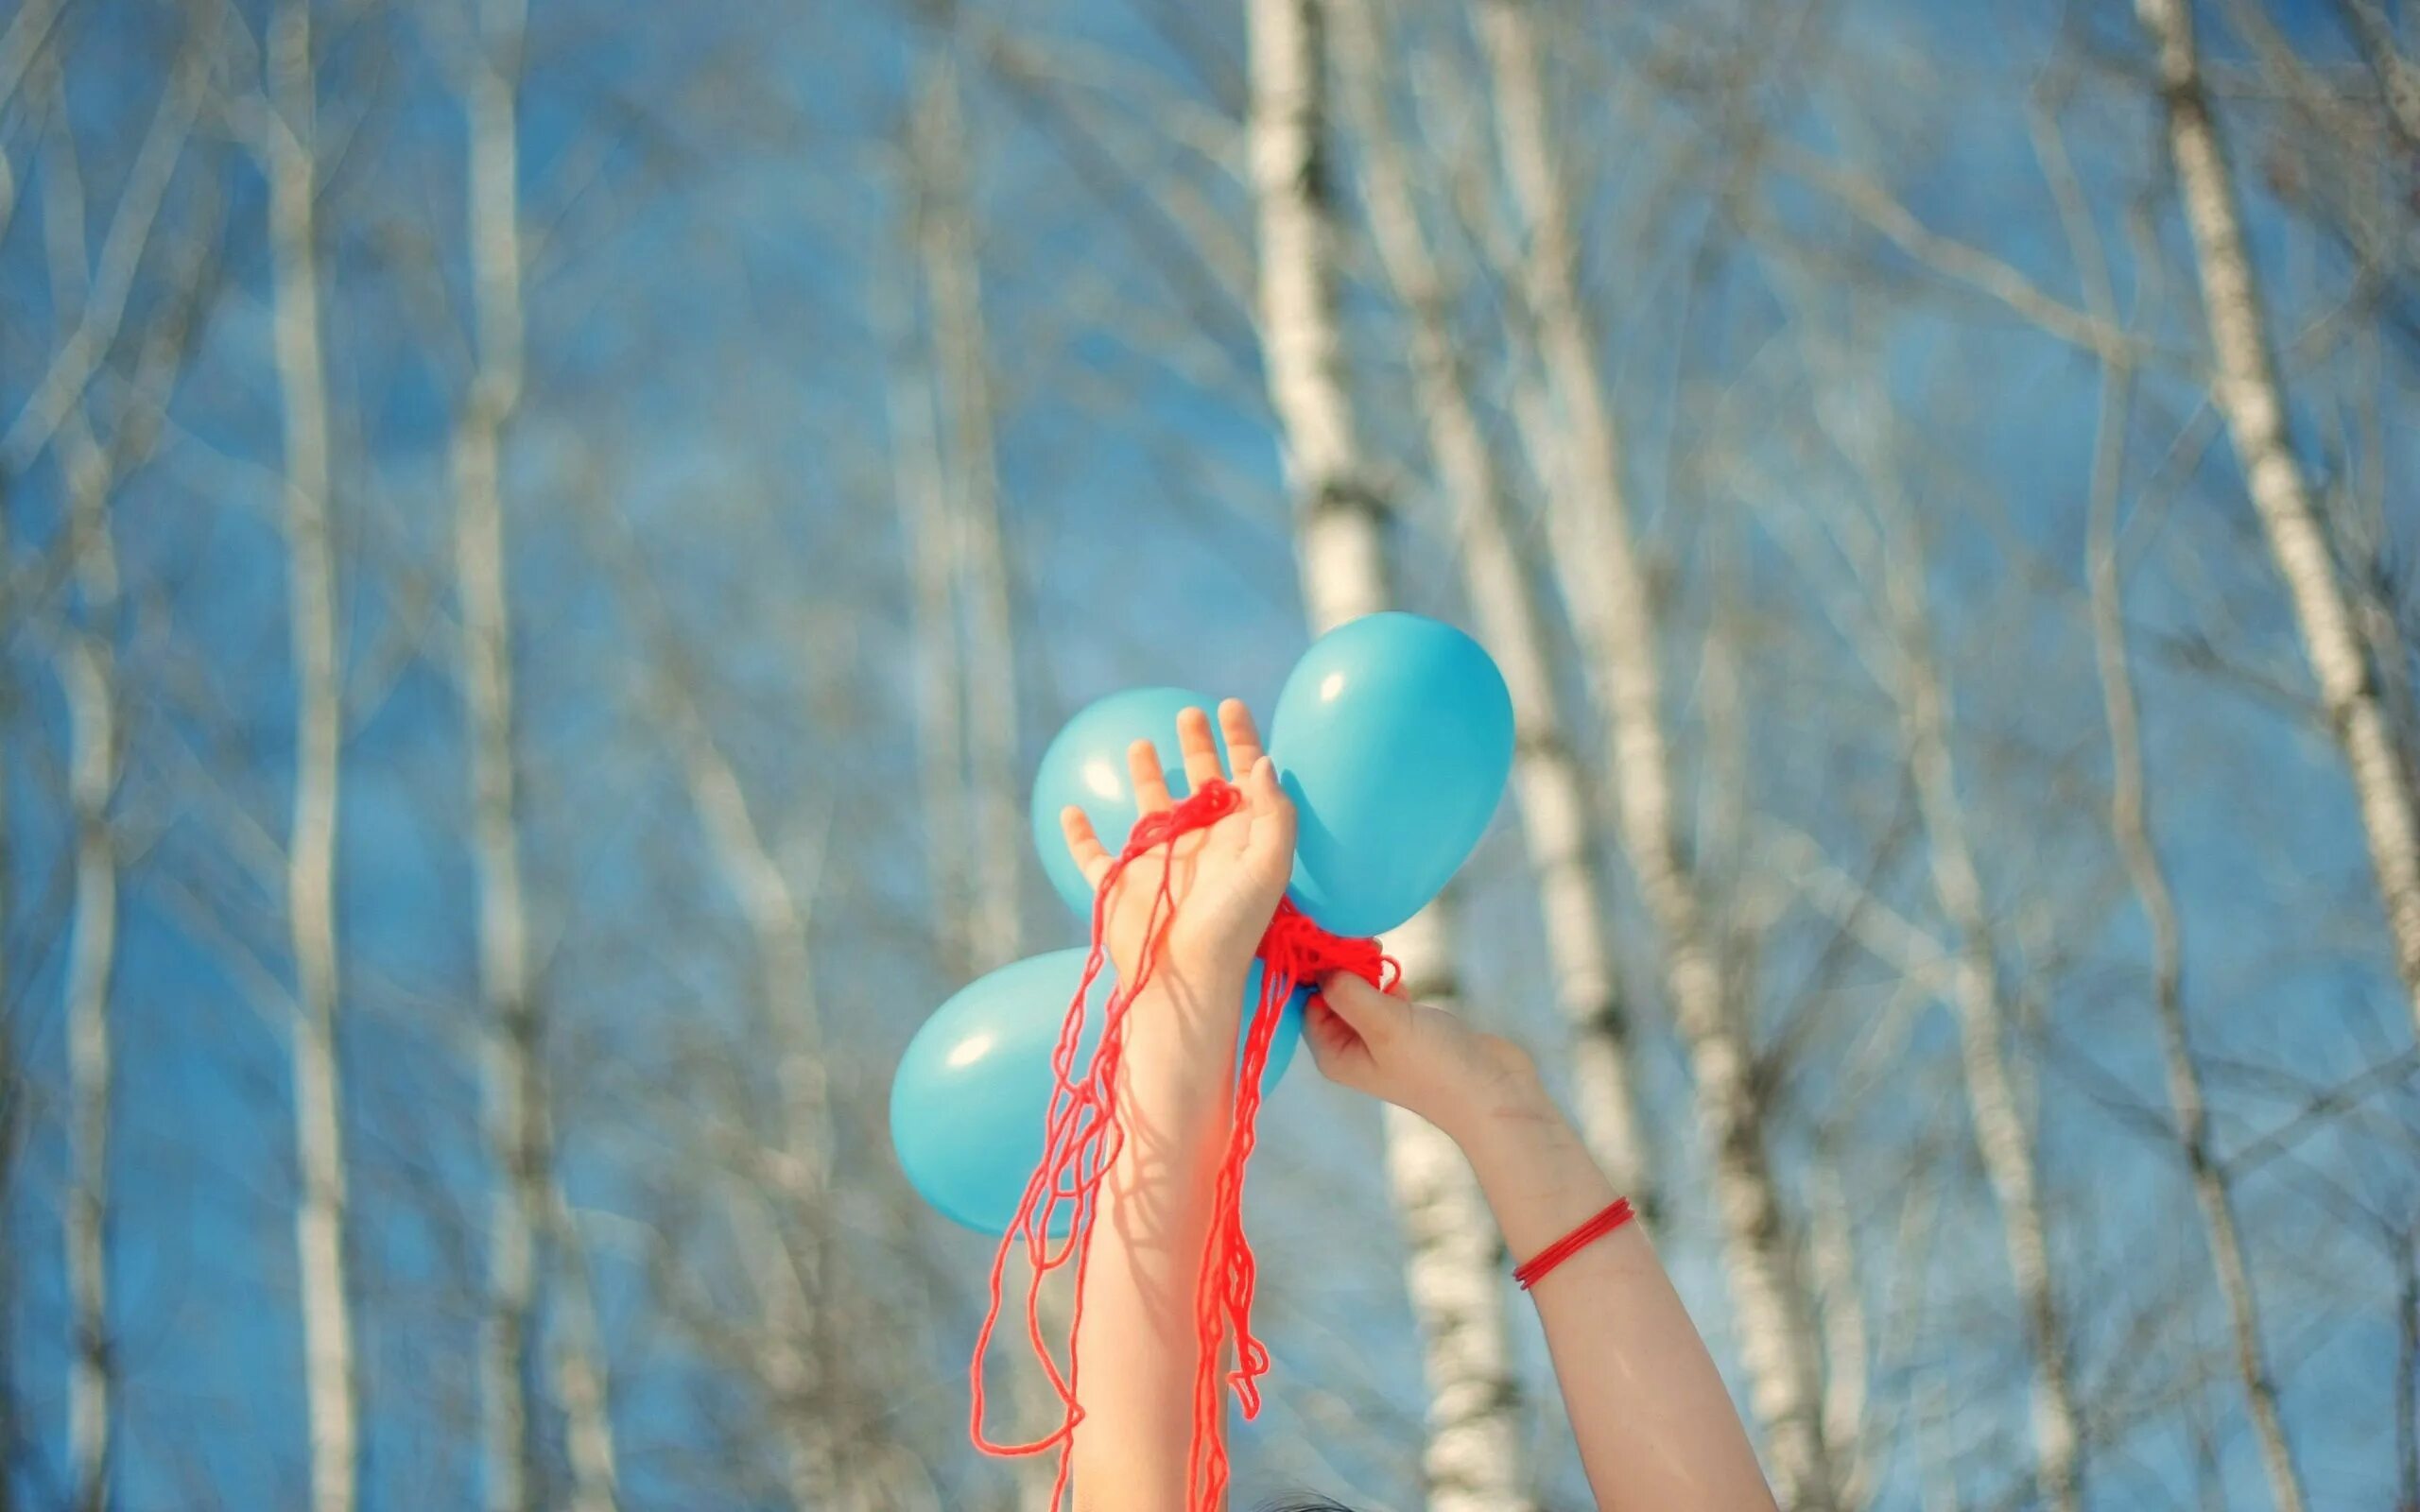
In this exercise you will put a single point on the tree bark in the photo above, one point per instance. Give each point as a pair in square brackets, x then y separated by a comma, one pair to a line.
[331, 1389]
[1607, 590]
[971, 489]
[2004, 1133]
[519, 1110]
[580, 1380]
[2250, 395]
[917, 486]
[1558, 824]
[87, 675]
[1475, 1457]
[515, 1106]
[974, 601]
[796, 1338]
[797, 1360]
[2130, 823]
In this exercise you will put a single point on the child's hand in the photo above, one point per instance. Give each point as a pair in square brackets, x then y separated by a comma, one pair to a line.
[1418, 1058]
[1225, 879]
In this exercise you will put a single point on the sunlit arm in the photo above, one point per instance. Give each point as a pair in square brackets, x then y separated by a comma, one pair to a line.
[1656, 1429]
[1137, 1350]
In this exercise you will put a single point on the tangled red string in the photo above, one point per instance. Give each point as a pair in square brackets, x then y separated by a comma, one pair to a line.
[1085, 1128]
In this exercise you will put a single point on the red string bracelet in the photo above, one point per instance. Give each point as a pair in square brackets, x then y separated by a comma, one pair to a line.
[1573, 1243]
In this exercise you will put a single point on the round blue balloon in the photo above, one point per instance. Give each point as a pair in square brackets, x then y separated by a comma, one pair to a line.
[968, 1103]
[1085, 765]
[1394, 736]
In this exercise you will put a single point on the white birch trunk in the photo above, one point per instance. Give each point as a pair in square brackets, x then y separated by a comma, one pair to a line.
[962, 351]
[1605, 588]
[509, 1042]
[1476, 1459]
[2003, 1135]
[1558, 824]
[2248, 392]
[2130, 822]
[86, 674]
[798, 1357]
[984, 660]
[91, 306]
[917, 474]
[520, 1121]
[331, 1389]
[578, 1360]
[1832, 1257]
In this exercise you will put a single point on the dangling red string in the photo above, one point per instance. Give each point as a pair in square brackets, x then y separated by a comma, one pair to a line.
[1085, 1128]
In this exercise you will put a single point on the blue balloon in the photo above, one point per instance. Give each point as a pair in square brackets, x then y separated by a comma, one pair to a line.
[1394, 736]
[1086, 767]
[968, 1103]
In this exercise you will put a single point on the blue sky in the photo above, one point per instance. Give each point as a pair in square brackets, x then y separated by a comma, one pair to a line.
[721, 184]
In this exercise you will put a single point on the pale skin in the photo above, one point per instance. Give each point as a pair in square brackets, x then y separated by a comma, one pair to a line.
[1656, 1429]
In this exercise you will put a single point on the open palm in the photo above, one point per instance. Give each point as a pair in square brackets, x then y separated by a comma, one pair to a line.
[1225, 879]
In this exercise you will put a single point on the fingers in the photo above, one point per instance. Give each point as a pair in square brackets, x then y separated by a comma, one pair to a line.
[1243, 736]
[1150, 786]
[1201, 749]
[1090, 855]
[1333, 1044]
[1273, 817]
[1376, 1016]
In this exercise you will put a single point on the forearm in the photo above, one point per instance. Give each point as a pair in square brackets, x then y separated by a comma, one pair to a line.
[1137, 1350]
[1656, 1429]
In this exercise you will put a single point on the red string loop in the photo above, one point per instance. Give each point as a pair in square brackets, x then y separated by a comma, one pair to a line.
[1534, 1270]
[1085, 1128]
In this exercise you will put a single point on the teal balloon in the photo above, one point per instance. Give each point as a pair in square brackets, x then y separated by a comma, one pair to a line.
[972, 1092]
[1394, 736]
[1085, 765]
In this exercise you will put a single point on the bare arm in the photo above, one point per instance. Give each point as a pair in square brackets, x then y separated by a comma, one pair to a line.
[1656, 1429]
[1136, 1349]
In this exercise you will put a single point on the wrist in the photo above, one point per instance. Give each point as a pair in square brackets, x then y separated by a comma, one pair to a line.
[1181, 1036]
[1537, 1173]
[1497, 1093]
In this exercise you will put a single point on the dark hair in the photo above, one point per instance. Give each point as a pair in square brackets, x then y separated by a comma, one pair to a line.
[1318, 1504]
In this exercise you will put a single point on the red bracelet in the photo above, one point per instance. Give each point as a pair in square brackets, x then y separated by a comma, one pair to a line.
[1571, 1244]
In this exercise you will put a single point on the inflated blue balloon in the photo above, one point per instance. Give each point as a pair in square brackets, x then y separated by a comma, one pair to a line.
[968, 1103]
[1086, 766]
[1394, 736]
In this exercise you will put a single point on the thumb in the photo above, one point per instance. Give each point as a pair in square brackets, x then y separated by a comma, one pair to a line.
[1376, 1016]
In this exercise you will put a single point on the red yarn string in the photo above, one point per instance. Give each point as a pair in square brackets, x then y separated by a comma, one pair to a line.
[1086, 1129]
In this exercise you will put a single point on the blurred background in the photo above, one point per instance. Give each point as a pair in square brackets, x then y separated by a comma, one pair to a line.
[542, 547]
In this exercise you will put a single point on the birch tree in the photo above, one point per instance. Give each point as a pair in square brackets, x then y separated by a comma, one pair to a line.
[1475, 1459]
[85, 668]
[87, 677]
[781, 1209]
[331, 1385]
[2131, 827]
[91, 289]
[1981, 998]
[2248, 392]
[1604, 584]
[1558, 819]
[949, 485]
[525, 1201]
[970, 489]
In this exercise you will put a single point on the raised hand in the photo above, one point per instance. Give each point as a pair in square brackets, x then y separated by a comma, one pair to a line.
[1419, 1057]
[1225, 880]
